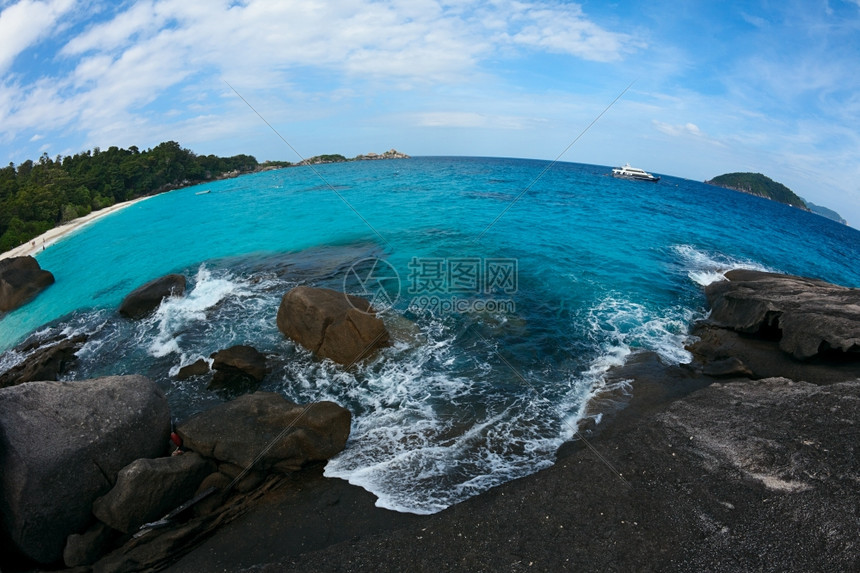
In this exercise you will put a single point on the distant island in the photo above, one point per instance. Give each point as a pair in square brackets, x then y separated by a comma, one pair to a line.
[37, 196]
[825, 212]
[763, 186]
[760, 186]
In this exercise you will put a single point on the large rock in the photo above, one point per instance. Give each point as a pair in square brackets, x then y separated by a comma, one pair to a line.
[21, 279]
[45, 363]
[809, 317]
[85, 548]
[286, 435]
[61, 446]
[238, 368]
[331, 324]
[147, 489]
[145, 299]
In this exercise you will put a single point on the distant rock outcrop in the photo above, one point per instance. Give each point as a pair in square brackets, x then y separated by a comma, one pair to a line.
[61, 446]
[331, 324]
[21, 279]
[145, 299]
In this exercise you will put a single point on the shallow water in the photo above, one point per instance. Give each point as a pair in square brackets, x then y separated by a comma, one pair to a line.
[579, 271]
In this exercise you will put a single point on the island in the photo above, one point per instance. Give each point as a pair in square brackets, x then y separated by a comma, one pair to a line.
[760, 186]
[825, 212]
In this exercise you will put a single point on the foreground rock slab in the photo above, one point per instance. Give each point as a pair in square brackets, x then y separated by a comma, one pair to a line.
[143, 300]
[21, 279]
[331, 324]
[61, 446]
[285, 435]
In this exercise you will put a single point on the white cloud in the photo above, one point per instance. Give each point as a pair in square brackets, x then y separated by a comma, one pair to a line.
[24, 23]
[153, 50]
[678, 130]
[566, 30]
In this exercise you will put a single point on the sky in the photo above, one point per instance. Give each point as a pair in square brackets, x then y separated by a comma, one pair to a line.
[717, 86]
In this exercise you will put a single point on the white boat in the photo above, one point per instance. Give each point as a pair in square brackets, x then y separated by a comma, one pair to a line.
[628, 172]
[203, 192]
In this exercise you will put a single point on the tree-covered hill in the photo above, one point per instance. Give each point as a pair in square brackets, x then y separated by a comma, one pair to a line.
[36, 196]
[760, 185]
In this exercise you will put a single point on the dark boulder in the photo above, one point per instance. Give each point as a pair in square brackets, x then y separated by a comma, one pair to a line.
[331, 324]
[198, 368]
[809, 318]
[46, 363]
[61, 446]
[238, 369]
[21, 279]
[145, 299]
[285, 435]
[147, 489]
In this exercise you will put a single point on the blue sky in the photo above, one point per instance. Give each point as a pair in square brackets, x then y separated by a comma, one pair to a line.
[767, 86]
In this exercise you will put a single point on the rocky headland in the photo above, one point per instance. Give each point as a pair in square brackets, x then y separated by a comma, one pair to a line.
[745, 459]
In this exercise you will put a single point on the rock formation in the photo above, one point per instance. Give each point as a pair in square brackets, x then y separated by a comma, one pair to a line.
[145, 299]
[147, 489]
[331, 324]
[61, 446]
[284, 435]
[764, 325]
[807, 316]
[47, 362]
[199, 367]
[21, 279]
[238, 369]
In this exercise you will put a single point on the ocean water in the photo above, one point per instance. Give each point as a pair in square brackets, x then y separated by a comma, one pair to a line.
[508, 296]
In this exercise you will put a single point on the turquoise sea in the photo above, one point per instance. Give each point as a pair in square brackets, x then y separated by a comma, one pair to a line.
[508, 294]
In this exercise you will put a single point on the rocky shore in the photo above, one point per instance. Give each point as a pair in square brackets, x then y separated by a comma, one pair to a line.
[745, 459]
[727, 471]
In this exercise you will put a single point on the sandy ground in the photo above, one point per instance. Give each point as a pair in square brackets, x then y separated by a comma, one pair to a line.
[52, 236]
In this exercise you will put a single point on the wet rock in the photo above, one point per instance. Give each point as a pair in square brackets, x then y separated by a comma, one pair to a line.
[809, 318]
[85, 548]
[198, 368]
[286, 434]
[21, 279]
[45, 363]
[145, 299]
[331, 324]
[238, 369]
[61, 446]
[147, 489]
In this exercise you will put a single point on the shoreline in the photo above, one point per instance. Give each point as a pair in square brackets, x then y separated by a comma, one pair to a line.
[52, 236]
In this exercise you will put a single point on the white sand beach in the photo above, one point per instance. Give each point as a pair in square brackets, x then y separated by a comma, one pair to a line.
[50, 237]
